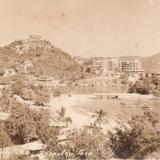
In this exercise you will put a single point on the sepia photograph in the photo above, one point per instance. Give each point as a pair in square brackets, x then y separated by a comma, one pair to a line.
[79, 79]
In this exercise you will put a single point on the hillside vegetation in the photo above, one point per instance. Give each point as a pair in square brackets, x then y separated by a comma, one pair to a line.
[46, 59]
[147, 85]
[152, 63]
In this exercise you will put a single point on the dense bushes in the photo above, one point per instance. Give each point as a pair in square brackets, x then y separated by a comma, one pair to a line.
[56, 93]
[139, 137]
[33, 93]
[2, 71]
[141, 86]
[83, 144]
[134, 138]
[25, 124]
[147, 85]
[17, 87]
[42, 94]
[4, 137]
[89, 144]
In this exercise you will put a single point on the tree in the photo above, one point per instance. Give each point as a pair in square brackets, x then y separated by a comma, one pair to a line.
[17, 87]
[7, 103]
[100, 117]
[61, 117]
[45, 132]
[2, 71]
[147, 85]
[19, 157]
[141, 87]
[137, 137]
[21, 124]
[4, 138]
[42, 94]
[56, 93]
[25, 124]
[84, 144]
[155, 80]
[28, 94]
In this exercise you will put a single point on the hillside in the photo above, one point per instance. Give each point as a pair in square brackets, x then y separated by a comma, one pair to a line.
[152, 63]
[39, 57]
[131, 58]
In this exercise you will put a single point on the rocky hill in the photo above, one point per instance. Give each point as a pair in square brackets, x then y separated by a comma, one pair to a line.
[38, 57]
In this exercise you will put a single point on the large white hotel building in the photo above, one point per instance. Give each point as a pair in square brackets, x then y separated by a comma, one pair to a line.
[119, 65]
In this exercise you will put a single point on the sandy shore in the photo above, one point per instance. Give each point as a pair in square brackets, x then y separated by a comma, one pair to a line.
[75, 106]
[78, 114]
[71, 105]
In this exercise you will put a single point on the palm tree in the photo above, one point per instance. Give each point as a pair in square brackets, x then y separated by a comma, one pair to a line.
[100, 117]
[61, 117]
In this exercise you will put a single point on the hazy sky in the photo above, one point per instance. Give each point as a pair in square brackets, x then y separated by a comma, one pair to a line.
[85, 27]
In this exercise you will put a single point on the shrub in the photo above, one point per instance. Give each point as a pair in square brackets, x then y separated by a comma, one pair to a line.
[42, 94]
[17, 87]
[138, 138]
[27, 94]
[140, 86]
[26, 124]
[56, 93]
[86, 144]
[147, 85]
[2, 71]
[19, 157]
[4, 137]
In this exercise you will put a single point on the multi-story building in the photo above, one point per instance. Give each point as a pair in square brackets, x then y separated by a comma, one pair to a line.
[98, 65]
[113, 64]
[126, 66]
[130, 66]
